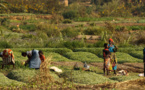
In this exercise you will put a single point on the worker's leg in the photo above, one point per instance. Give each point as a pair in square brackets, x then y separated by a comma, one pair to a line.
[115, 72]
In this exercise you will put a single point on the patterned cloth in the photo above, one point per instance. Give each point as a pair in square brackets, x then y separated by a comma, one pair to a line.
[107, 59]
[7, 56]
[107, 63]
[113, 60]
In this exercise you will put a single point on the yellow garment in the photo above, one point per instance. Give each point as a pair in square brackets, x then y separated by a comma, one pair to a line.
[113, 58]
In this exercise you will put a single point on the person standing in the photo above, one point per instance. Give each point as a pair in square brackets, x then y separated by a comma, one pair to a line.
[112, 48]
[107, 62]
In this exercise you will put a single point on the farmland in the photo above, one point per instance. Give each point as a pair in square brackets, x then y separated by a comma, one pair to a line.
[62, 43]
[66, 52]
[67, 60]
[70, 35]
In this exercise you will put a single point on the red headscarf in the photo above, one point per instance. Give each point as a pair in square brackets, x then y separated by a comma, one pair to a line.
[111, 40]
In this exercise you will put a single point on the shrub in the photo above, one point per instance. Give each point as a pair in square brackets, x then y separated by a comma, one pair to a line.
[70, 32]
[30, 36]
[13, 28]
[70, 14]
[136, 27]
[4, 21]
[67, 21]
[99, 44]
[93, 31]
[30, 27]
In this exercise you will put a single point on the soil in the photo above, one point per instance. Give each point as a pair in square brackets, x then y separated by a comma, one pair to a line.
[130, 67]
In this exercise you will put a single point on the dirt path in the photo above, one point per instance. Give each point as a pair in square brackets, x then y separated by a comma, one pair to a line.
[101, 24]
[130, 67]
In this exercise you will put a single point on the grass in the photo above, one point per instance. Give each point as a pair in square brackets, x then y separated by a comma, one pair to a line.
[83, 57]
[4, 81]
[132, 76]
[94, 19]
[23, 75]
[20, 14]
[84, 77]
[137, 54]
[57, 57]
[126, 58]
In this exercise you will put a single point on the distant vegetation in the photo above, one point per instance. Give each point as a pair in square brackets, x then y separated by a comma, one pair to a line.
[94, 8]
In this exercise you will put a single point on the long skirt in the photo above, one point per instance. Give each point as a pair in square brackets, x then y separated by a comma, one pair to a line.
[113, 61]
[107, 63]
[8, 60]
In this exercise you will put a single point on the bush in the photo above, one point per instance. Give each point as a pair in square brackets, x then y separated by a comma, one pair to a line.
[99, 44]
[4, 21]
[13, 28]
[30, 27]
[70, 32]
[67, 21]
[93, 31]
[70, 14]
[136, 27]
[30, 36]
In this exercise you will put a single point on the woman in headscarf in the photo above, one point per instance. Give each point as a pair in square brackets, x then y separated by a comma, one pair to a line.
[112, 48]
[35, 57]
[7, 57]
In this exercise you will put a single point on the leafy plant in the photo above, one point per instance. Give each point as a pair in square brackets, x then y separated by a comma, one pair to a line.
[70, 14]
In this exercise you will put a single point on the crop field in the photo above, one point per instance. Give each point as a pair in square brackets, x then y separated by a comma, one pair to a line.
[65, 59]
[71, 33]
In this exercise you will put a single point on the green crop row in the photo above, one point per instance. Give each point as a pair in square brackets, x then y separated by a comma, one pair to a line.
[137, 54]
[56, 50]
[4, 81]
[83, 57]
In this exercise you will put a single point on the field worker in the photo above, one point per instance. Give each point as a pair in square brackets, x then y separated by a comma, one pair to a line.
[107, 61]
[42, 57]
[33, 59]
[112, 48]
[7, 57]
